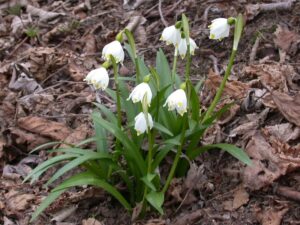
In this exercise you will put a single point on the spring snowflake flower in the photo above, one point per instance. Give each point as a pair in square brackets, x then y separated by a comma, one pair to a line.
[115, 49]
[98, 78]
[182, 47]
[177, 100]
[139, 92]
[141, 124]
[219, 28]
[171, 35]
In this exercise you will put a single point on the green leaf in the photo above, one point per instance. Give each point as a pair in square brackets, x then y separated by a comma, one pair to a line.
[131, 42]
[46, 202]
[132, 151]
[78, 161]
[231, 149]
[48, 163]
[163, 129]
[186, 29]
[47, 145]
[238, 31]
[100, 134]
[148, 181]
[163, 69]
[108, 113]
[195, 104]
[156, 199]
[161, 155]
[86, 141]
[87, 178]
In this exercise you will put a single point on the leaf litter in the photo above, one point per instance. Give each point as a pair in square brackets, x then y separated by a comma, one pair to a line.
[50, 102]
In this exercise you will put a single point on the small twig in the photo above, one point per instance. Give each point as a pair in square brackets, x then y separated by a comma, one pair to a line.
[276, 6]
[205, 16]
[215, 62]
[161, 14]
[288, 193]
[17, 47]
[254, 50]
[53, 74]
[65, 115]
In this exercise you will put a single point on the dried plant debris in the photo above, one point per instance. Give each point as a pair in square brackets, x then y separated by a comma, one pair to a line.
[271, 159]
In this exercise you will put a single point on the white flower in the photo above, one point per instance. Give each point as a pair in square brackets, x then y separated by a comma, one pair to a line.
[219, 28]
[177, 100]
[182, 47]
[141, 124]
[138, 93]
[98, 78]
[115, 49]
[171, 35]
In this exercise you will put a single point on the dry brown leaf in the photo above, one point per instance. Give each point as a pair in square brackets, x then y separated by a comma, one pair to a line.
[275, 76]
[270, 160]
[241, 197]
[234, 89]
[91, 221]
[289, 106]
[42, 14]
[17, 201]
[188, 218]
[76, 70]
[286, 40]
[285, 132]
[64, 213]
[44, 127]
[272, 216]
[27, 138]
[79, 134]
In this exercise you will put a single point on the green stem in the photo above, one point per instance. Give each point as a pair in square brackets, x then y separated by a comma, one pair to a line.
[187, 77]
[177, 157]
[138, 72]
[174, 66]
[116, 74]
[221, 88]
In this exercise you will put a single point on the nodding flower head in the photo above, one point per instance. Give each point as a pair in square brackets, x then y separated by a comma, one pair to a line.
[113, 49]
[98, 78]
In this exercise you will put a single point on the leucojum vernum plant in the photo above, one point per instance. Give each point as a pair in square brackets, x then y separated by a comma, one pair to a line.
[161, 116]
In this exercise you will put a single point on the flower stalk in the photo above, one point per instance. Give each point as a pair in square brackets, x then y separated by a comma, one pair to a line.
[116, 74]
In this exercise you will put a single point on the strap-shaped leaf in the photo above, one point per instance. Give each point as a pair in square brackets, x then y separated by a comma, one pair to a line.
[76, 162]
[231, 149]
[48, 163]
[46, 202]
[87, 178]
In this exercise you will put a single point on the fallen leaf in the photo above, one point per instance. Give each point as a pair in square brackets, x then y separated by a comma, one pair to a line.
[17, 201]
[64, 214]
[285, 39]
[44, 127]
[241, 197]
[270, 160]
[188, 218]
[285, 132]
[289, 106]
[91, 221]
[234, 89]
[271, 216]
[79, 134]
[42, 14]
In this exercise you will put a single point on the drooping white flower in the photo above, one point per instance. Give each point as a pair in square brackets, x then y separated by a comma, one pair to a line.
[139, 92]
[115, 49]
[177, 100]
[98, 78]
[141, 123]
[171, 35]
[219, 28]
[182, 47]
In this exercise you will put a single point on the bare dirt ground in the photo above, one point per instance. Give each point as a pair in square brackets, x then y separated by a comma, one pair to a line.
[48, 47]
